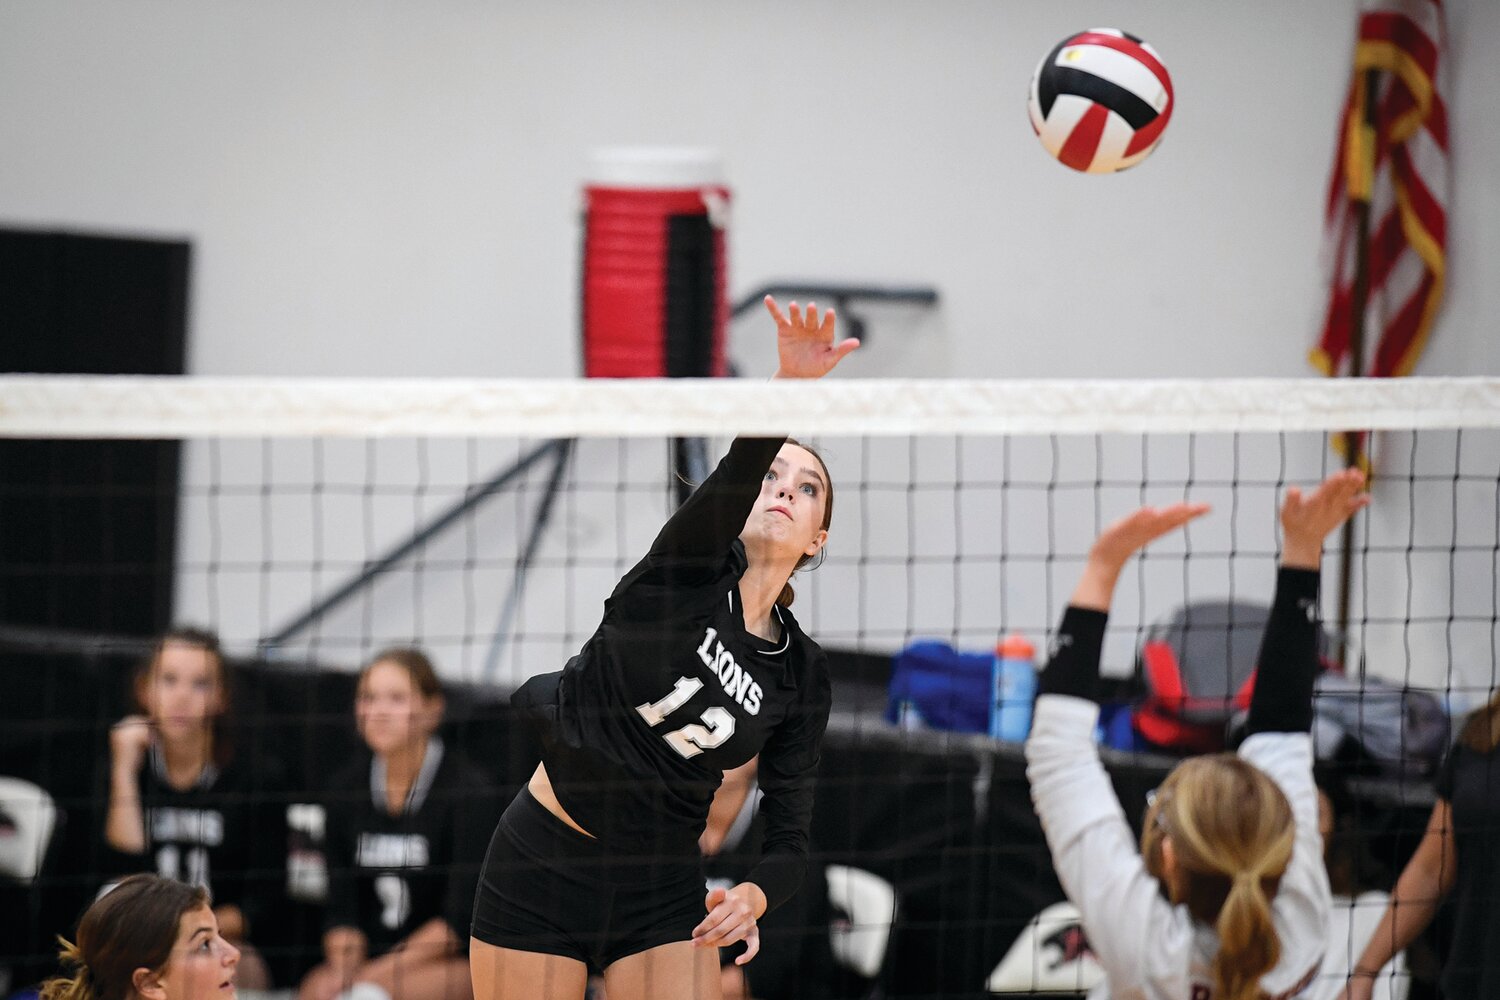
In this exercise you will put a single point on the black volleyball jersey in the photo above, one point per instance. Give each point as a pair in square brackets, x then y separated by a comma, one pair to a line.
[671, 690]
[225, 833]
[388, 875]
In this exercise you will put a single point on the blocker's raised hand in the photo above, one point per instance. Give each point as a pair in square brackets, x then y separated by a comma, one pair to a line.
[805, 345]
[1307, 519]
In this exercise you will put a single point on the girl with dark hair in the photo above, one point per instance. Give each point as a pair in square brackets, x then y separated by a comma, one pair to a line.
[1458, 857]
[147, 938]
[406, 829]
[1232, 838]
[697, 666]
[179, 803]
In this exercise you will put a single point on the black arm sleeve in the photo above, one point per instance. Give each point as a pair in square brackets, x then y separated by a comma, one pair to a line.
[788, 767]
[1288, 663]
[697, 536]
[1074, 667]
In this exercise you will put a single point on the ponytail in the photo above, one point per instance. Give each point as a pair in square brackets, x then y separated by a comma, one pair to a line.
[76, 986]
[1232, 832]
[787, 595]
[1248, 945]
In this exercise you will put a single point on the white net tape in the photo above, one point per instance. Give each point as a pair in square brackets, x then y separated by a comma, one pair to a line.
[196, 407]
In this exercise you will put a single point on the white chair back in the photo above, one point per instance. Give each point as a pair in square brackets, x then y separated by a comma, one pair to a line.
[27, 818]
[870, 902]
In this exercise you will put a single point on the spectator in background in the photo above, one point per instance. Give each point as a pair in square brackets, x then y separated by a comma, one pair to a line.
[406, 832]
[179, 803]
[1459, 855]
[147, 938]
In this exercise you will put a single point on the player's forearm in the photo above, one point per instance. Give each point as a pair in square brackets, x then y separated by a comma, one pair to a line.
[1073, 669]
[1413, 904]
[124, 826]
[1287, 667]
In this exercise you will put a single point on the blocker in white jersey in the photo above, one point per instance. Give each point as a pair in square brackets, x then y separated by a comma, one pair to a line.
[1101, 100]
[1233, 840]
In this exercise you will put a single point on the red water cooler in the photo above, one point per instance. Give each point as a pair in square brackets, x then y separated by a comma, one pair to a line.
[654, 264]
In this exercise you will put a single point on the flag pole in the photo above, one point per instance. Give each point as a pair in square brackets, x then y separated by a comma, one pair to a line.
[1360, 296]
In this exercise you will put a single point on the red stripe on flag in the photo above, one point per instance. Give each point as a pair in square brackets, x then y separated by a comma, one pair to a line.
[1336, 181]
[1083, 141]
[1437, 122]
[1386, 243]
[1427, 210]
[1402, 31]
[1401, 330]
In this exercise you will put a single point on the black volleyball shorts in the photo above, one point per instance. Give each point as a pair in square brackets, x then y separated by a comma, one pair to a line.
[547, 888]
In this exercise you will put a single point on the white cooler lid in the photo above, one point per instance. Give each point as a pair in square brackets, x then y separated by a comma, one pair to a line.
[655, 167]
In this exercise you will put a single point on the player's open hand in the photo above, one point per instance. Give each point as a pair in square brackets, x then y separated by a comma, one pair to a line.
[731, 918]
[805, 345]
[1121, 540]
[1133, 532]
[1307, 520]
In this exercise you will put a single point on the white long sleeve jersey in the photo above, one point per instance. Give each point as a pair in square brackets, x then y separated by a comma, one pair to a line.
[1150, 949]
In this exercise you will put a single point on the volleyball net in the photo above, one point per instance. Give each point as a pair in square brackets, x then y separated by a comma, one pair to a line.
[310, 523]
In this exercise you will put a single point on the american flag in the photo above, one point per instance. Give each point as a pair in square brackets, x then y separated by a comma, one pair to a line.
[1393, 156]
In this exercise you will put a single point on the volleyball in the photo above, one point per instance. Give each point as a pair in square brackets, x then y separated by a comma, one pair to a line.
[1100, 100]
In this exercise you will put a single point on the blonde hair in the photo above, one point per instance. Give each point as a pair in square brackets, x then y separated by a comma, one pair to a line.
[1232, 833]
[132, 926]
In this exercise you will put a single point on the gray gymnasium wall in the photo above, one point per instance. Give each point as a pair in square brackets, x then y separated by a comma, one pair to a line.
[392, 188]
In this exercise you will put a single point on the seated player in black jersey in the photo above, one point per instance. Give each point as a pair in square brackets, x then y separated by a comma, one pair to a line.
[406, 830]
[697, 666]
[181, 806]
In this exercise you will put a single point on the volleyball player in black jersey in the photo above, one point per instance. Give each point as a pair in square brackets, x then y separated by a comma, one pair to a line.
[697, 666]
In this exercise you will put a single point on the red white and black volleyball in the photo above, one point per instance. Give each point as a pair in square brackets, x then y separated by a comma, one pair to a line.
[1100, 100]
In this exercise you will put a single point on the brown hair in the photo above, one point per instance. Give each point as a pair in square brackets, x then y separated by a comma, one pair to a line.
[132, 926]
[1232, 832]
[416, 664]
[221, 746]
[787, 595]
[1482, 730]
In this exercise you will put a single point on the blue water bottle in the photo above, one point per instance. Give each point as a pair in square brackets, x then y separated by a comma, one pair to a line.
[1012, 689]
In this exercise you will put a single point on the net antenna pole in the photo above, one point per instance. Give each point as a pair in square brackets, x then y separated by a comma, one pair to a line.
[540, 518]
[1355, 441]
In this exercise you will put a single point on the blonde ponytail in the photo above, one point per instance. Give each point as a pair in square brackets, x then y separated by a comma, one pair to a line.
[1232, 833]
[1248, 945]
[76, 986]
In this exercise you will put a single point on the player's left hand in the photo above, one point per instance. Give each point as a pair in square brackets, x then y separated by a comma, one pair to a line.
[805, 346]
[731, 918]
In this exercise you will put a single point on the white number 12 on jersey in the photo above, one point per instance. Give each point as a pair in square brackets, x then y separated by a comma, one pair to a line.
[690, 740]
